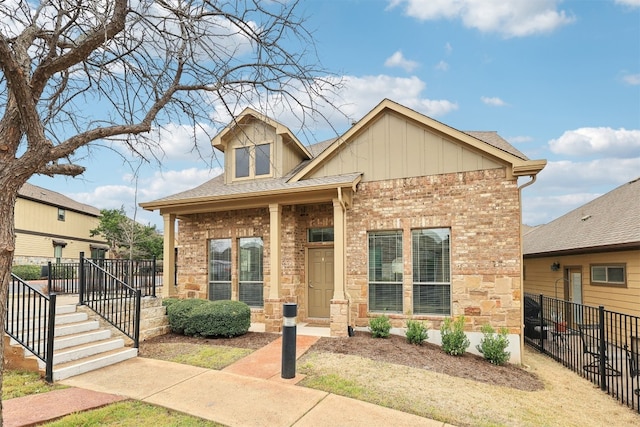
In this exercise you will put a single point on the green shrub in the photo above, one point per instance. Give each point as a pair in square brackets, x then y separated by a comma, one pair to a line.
[416, 332]
[168, 301]
[454, 340]
[380, 327]
[180, 312]
[27, 272]
[493, 346]
[222, 318]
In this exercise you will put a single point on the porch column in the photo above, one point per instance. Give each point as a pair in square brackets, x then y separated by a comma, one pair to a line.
[169, 257]
[273, 303]
[339, 309]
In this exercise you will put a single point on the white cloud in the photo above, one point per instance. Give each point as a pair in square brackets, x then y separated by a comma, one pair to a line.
[398, 60]
[361, 94]
[565, 185]
[448, 48]
[184, 142]
[519, 139]
[494, 101]
[514, 18]
[632, 79]
[618, 143]
[631, 3]
[155, 186]
[442, 66]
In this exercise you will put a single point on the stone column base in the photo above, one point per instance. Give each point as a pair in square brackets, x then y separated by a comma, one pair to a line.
[273, 314]
[339, 317]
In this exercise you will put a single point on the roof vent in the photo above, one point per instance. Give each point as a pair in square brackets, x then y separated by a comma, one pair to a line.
[586, 217]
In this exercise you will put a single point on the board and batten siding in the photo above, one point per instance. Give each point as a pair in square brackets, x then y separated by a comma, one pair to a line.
[395, 147]
[539, 279]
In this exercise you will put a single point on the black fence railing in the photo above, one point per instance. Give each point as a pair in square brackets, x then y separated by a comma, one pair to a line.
[110, 297]
[30, 320]
[597, 344]
[64, 278]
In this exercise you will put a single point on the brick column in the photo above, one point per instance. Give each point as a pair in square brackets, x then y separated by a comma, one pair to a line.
[273, 314]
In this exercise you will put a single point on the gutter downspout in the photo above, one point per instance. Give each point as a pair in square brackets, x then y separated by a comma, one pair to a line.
[346, 293]
[526, 184]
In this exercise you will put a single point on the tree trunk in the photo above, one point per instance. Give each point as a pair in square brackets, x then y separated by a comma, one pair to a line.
[10, 186]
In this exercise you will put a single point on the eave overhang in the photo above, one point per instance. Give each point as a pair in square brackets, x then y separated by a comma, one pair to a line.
[292, 195]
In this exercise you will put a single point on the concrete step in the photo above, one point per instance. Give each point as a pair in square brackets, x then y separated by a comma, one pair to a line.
[60, 319]
[75, 328]
[83, 351]
[92, 363]
[81, 338]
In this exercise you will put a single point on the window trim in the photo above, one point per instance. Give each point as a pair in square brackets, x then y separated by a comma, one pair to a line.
[252, 150]
[396, 284]
[606, 282]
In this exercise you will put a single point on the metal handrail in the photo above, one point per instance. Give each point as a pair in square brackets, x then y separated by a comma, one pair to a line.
[111, 298]
[30, 320]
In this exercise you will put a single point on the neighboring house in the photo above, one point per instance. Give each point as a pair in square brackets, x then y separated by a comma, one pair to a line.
[52, 227]
[591, 255]
[401, 215]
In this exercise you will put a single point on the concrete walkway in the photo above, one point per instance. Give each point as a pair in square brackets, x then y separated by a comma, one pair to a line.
[249, 392]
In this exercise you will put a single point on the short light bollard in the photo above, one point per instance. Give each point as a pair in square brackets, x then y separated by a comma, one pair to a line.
[289, 311]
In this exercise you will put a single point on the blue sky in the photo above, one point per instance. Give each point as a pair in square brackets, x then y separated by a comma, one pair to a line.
[560, 80]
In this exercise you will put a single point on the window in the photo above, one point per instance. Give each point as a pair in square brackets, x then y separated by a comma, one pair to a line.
[317, 235]
[61, 214]
[220, 269]
[263, 159]
[431, 271]
[242, 162]
[609, 275]
[385, 271]
[253, 161]
[250, 285]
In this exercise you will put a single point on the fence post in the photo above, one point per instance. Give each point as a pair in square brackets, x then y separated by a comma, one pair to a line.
[543, 332]
[136, 326]
[49, 277]
[153, 277]
[50, 337]
[82, 279]
[602, 350]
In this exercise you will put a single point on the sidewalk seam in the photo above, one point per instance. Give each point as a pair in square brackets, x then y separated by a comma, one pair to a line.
[310, 409]
[143, 398]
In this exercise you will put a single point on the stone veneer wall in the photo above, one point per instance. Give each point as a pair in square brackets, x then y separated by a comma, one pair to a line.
[481, 208]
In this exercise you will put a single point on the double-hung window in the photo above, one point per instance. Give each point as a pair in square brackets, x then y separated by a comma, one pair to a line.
[251, 285]
[220, 269]
[253, 161]
[385, 271]
[431, 271]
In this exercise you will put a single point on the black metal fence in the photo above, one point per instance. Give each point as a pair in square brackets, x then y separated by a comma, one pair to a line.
[597, 344]
[111, 298]
[30, 320]
[64, 278]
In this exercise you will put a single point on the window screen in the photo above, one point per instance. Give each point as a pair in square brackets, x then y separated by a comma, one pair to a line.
[263, 159]
[250, 271]
[220, 269]
[242, 162]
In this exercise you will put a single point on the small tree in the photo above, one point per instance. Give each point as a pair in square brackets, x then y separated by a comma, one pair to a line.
[454, 340]
[127, 238]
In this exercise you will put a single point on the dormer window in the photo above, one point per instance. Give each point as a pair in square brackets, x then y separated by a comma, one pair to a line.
[253, 161]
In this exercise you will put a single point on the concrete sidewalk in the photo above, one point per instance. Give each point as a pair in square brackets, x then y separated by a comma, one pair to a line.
[247, 393]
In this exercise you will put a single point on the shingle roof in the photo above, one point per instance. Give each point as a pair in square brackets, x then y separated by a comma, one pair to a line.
[492, 138]
[612, 219]
[216, 187]
[42, 195]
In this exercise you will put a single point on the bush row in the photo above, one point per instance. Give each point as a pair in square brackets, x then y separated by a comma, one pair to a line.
[454, 340]
[198, 317]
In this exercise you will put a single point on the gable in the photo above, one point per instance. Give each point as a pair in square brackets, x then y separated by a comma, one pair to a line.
[395, 146]
[250, 131]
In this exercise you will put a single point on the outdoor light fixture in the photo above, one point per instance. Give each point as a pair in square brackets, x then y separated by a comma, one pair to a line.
[555, 266]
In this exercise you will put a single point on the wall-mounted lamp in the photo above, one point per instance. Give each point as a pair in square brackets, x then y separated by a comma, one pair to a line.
[555, 266]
